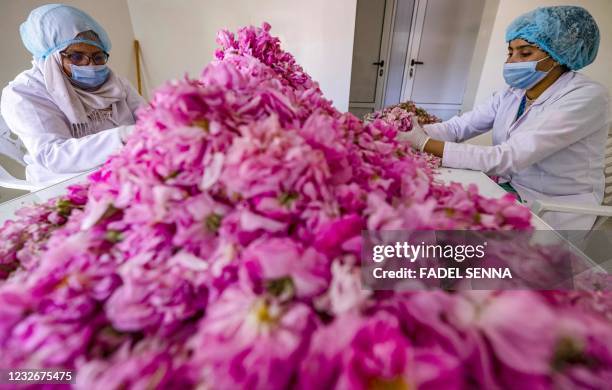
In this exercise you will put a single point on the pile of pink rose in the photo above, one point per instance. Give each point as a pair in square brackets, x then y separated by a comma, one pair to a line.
[221, 249]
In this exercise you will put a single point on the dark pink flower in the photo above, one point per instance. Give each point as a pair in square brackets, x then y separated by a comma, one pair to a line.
[284, 266]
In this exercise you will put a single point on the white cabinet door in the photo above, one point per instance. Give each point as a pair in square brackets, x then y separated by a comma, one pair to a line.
[440, 54]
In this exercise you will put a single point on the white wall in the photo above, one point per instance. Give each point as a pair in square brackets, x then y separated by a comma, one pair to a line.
[178, 37]
[491, 79]
[480, 53]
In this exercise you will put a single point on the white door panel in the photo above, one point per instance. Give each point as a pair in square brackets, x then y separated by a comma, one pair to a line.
[439, 34]
[402, 21]
[443, 40]
[373, 26]
[366, 51]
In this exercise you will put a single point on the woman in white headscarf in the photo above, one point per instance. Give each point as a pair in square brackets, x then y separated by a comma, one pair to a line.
[70, 110]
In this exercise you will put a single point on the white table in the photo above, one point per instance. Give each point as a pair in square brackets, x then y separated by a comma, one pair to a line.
[486, 187]
[8, 208]
[489, 188]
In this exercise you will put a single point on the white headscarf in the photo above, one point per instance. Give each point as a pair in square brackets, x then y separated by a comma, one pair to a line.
[82, 108]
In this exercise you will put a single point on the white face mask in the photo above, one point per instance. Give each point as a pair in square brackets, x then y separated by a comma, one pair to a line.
[524, 75]
[89, 76]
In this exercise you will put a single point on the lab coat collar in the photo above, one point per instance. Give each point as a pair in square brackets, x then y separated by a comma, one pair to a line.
[556, 86]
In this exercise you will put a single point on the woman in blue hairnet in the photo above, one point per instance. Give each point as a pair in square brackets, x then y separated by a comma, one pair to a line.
[70, 110]
[549, 125]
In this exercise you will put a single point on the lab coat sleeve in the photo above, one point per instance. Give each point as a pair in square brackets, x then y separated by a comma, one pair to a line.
[45, 133]
[468, 125]
[576, 115]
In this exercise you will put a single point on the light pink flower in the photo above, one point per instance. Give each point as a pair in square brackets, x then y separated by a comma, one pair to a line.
[242, 331]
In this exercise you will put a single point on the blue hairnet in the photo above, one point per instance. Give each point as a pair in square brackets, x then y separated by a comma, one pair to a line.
[53, 27]
[568, 34]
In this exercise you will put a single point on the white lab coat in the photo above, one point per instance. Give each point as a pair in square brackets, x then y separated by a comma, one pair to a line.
[54, 152]
[554, 151]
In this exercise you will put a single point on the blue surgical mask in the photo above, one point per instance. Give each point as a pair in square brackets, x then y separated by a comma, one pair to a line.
[89, 76]
[523, 75]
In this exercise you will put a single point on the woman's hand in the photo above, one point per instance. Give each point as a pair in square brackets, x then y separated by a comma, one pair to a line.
[417, 137]
[419, 140]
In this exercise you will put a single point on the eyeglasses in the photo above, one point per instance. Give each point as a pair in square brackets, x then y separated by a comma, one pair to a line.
[78, 58]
